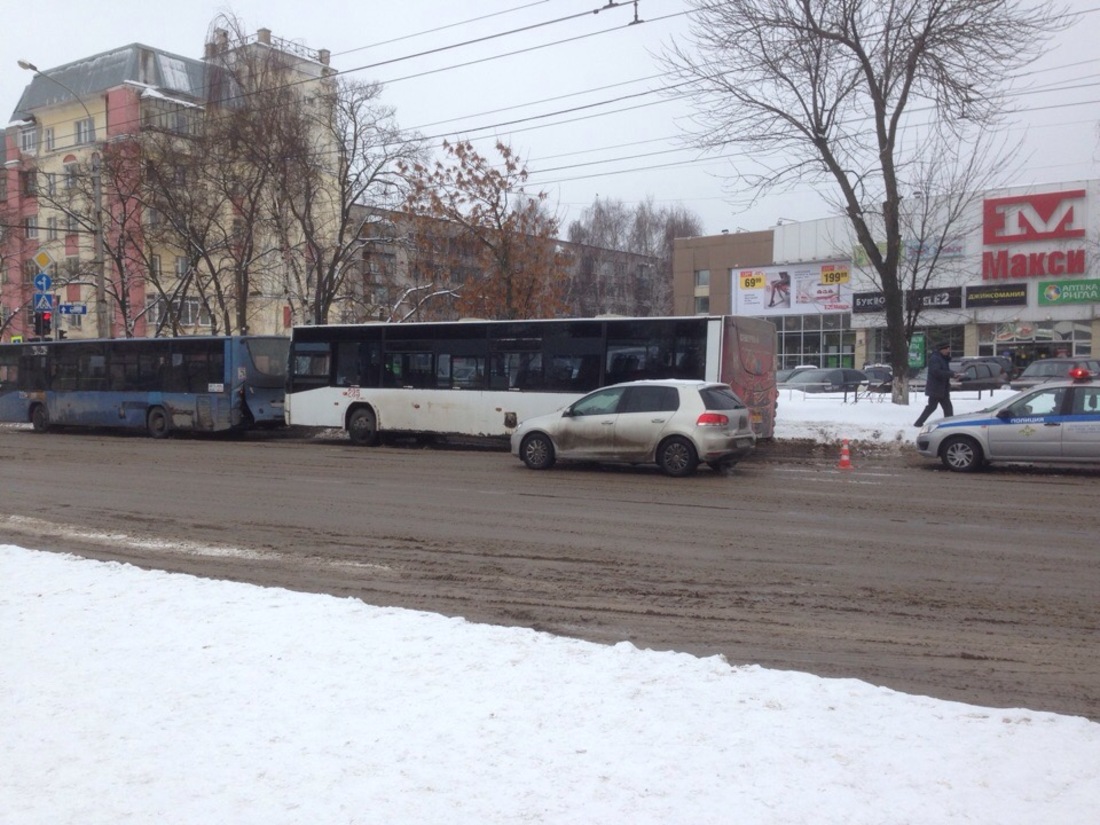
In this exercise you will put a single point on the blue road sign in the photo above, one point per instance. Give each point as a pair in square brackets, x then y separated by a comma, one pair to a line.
[42, 302]
[72, 309]
[42, 282]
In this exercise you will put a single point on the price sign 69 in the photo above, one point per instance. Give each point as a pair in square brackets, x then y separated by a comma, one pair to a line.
[752, 280]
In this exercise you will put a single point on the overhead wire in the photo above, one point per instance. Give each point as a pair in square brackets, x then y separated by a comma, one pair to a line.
[511, 124]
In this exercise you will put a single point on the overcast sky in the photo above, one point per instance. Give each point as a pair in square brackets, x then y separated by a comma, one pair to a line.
[625, 150]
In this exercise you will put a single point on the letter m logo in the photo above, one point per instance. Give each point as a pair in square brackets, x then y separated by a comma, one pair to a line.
[1027, 218]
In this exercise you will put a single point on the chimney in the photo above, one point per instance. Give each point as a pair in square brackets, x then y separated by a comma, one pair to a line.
[263, 36]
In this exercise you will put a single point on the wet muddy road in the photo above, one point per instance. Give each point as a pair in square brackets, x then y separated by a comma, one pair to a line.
[983, 589]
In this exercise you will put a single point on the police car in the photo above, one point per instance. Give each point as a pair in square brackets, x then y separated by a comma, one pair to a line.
[1055, 422]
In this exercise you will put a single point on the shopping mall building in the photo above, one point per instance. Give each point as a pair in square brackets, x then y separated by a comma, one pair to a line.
[1021, 278]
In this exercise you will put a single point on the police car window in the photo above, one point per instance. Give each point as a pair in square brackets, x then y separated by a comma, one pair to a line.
[1044, 402]
[1087, 401]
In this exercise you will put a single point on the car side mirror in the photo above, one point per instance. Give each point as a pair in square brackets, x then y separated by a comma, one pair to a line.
[1004, 414]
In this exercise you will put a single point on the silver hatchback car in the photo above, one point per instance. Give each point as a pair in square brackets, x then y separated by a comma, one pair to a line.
[1054, 423]
[674, 423]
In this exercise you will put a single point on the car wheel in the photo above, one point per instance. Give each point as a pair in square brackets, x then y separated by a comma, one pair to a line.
[40, 418]
[676, 456]
[157, 423]
[363, 427]
[961, 454]
[537, 451]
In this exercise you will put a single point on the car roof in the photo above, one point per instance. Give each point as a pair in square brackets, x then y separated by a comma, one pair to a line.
[667, 382]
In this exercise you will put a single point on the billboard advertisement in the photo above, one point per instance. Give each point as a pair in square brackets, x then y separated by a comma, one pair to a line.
[792, 289]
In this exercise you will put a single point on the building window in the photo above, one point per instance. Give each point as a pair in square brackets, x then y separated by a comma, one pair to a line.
[29, 181]
[189, 311]
[152, 216]
[181, 266]
[154, 266]
[49, 138]
[702, 304]
[28, 141]
[72, 226]
[51, 183]
[51, 229]
[702, 277]
[30, 226]
[70, 175]
[85, 131]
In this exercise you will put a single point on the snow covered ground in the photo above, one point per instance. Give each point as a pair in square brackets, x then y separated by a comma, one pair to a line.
[147, 697]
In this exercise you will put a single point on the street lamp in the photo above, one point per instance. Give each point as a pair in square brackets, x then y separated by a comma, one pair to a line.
[100, 262]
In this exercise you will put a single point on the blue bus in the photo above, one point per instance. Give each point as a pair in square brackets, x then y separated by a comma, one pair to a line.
[162, 385]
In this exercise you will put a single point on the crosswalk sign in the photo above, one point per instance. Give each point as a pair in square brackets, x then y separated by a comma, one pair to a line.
[43, 302]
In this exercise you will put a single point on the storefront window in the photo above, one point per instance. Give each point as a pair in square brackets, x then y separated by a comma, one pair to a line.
[1026, 341]
[801, 340]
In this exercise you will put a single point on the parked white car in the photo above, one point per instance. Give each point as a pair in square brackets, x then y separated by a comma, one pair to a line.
[674, 423]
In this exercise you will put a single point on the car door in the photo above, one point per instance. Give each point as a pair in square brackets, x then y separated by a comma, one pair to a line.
[1081, 428]
[644, 416]
[1030, 429]
[587, 429]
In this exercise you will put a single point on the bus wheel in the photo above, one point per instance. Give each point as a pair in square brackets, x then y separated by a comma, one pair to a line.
[676, 456]
[537, 452]
[363, 427]
[157, 423]
[40, 418]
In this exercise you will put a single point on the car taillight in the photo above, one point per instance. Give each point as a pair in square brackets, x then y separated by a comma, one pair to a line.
[712, 419]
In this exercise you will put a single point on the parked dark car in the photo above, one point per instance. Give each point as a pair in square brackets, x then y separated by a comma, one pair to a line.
[1008, 367]
[1052, 369]
[790, 372]
[979, 375]
[827, 379]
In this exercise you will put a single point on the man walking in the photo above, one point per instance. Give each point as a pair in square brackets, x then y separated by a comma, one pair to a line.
[938, 385]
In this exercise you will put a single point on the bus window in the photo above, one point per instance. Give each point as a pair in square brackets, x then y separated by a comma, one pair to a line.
[311, 365]
[468, 372]
[409, 369]
[516, 371]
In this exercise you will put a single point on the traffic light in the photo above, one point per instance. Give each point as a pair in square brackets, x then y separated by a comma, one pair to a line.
[47, 324]
[38, 324]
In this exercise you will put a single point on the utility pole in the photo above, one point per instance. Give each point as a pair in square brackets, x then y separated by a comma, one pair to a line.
[100, 263]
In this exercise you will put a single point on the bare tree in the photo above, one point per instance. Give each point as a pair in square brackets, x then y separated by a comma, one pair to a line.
[642, 237]
[340, 159]
[861, 95]
[107, 200]
[494, 245]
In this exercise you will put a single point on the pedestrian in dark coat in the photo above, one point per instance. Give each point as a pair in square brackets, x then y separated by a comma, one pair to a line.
[938, 385]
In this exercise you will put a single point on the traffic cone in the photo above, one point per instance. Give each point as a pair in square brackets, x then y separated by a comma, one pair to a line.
[845, 457]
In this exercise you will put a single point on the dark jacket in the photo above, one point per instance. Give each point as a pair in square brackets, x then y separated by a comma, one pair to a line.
[938, 384]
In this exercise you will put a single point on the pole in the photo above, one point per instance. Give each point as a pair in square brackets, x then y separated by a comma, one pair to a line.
[100, 262]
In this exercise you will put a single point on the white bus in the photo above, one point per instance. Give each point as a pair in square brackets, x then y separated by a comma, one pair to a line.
[481, 378]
